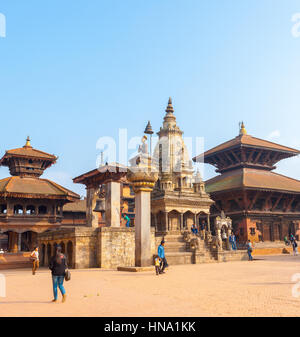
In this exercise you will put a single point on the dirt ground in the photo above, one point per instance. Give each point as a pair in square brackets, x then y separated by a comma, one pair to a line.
[262, 287]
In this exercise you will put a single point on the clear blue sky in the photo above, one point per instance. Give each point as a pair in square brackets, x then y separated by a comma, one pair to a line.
[74, 71]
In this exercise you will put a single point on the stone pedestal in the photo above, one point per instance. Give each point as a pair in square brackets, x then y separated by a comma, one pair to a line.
[91, 216]
[112, 204]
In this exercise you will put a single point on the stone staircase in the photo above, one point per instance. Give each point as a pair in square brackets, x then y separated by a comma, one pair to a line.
[14, 261]
[178, 251]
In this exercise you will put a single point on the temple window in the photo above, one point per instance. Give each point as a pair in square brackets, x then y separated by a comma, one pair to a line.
[252, 231]
[18, 209]
[3, 209]
[30, 210]
[42, 209]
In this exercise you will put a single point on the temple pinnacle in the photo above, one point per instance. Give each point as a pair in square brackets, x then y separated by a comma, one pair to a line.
[242, 129]
[28, 142]
[148, 129]
[170, 106]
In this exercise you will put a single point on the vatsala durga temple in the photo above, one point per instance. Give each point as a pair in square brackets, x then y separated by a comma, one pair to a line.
[247, 197]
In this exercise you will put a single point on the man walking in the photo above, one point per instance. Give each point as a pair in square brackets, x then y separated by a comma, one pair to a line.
[249, 250]
[295, 245]
[161, 255]
[232, 240]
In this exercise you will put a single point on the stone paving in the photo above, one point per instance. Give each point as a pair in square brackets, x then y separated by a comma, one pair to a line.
[262, 287]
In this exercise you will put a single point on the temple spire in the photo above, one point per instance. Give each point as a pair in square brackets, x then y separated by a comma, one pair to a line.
[242, 129]
[27, 142]
[170, 106]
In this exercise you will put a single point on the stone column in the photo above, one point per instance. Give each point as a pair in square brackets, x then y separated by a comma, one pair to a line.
[143, 183]
[13, 242]
[181, 222]
[19, 241]
[91, 216]
[208, 223]
[112, 204]
[166, 222]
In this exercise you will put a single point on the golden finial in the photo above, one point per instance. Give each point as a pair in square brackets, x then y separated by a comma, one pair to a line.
[170, 106]
[28, 142]
[242, 129]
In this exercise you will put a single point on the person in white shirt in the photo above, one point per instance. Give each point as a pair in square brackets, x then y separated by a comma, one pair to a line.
[35, 260]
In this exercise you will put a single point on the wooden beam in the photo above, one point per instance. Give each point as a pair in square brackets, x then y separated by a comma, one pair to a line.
[250, 156]
[246, 201]
[254, 200]
[289, 204]
[235, 156]
[257, 157]
[277, 202]
[266, 206]
[227, 156]
[244, 157]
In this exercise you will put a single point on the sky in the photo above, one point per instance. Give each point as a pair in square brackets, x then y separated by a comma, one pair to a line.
[73, 72]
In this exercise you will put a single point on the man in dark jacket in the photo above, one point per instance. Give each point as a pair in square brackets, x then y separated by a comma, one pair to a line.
[58, 268]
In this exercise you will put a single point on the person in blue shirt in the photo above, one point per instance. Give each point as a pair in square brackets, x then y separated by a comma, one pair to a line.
[125, 216]
[249, 250]
[161, 255]
[232, 240]
[194, 229]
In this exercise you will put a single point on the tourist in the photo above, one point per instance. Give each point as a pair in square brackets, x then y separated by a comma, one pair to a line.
[58, 268]
[194, 229]
[161, 255]
[34, 256]
[125, 216]
[295, 245]
[249, 250]
[157, 262]
[232, 240]
[286, 241]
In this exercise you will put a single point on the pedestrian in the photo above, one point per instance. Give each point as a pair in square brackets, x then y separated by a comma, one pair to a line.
[194, 229]
[58, 268]
[202, 228]
[161, 255]
[34, 257]
[249, 250]
[157, 262]
[286, 241]
[232, 240]
[295, 249]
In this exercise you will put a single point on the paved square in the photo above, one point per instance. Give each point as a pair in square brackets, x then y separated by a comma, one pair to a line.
[259, 288]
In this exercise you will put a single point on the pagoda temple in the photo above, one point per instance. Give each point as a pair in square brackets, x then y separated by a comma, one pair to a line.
[28, 204]
[263, 205]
